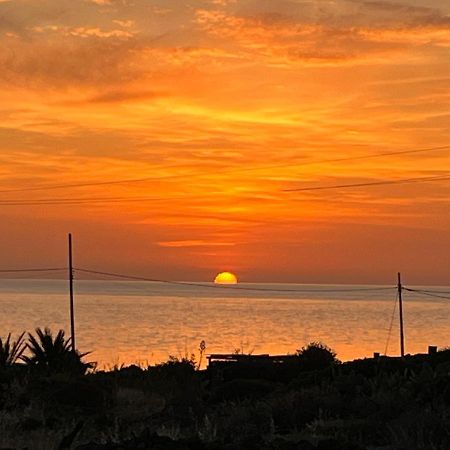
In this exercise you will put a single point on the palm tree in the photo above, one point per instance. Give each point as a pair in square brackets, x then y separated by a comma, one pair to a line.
[54, 355]
[11, 352]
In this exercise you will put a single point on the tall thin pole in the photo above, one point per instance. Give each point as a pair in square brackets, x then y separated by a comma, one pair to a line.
[72, 316]
[400, 303]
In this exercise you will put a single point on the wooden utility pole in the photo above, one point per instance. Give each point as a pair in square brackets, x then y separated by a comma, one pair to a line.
[400, 303]
[72, 317]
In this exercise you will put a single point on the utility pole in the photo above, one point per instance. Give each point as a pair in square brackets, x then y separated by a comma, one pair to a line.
[72, 317]
[400, 303]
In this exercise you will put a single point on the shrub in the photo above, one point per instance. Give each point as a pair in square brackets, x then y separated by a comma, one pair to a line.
[316, 356]
[178, 368]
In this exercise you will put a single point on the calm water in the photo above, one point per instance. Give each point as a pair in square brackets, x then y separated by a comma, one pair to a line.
[133, 322]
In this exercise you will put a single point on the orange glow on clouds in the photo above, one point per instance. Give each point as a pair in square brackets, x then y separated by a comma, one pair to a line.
[218, 107]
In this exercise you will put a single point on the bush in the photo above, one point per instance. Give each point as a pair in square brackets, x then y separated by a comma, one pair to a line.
[175, 368]
[316, 356]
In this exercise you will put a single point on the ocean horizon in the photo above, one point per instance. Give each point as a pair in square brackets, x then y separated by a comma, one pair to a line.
[135, 322]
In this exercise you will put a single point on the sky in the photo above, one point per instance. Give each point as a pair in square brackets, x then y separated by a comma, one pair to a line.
[213, 112]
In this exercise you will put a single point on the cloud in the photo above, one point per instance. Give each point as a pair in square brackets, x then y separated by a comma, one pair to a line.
[69, 61]
[195, 243]
[119, 96]
[228, 103]
[328, 38]
[66, 43]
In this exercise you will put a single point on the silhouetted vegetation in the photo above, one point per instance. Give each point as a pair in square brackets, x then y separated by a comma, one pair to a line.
[316, 356]
[54, 355]
[11, 352]
[316, 403]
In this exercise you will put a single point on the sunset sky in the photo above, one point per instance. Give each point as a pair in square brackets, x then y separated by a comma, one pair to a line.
[213, 110]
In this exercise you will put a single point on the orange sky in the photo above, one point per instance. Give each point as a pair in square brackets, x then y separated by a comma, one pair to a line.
[225, 104]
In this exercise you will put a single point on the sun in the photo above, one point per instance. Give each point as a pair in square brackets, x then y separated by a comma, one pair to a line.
[226, 278]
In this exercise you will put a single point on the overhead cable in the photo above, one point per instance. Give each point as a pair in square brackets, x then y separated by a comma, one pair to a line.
[32, 270]
[233, 170]
[227, 287]
[427, 293]
[391, 325]
[375, 183]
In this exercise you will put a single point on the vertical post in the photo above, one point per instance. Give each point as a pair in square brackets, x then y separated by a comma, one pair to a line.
[400, 303]
[72, 318]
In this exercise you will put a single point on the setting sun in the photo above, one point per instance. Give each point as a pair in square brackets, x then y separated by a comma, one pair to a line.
[226, 278]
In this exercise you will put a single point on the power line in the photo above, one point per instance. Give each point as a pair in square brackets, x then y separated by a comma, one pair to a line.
[32, 270]
[218, 286]
[375, 183]
[431, 291]
[83, 200]
[245, 169]
[64, 199]
[391, 325]
[224, 287]
[428, 294]
[91, 184]
[352, 158]
[90, 200]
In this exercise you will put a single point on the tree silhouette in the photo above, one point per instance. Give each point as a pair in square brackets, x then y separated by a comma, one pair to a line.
[54, 355]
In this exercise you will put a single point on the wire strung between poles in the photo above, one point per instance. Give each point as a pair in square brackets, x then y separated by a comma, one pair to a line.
[190, 174]
[218, 286]
[372, 183]
[391, 325]
[57, 269]
[431, 293]
[427, 293]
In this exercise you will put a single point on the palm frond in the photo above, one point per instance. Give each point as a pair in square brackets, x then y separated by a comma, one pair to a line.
[11, 352]
[54, 354]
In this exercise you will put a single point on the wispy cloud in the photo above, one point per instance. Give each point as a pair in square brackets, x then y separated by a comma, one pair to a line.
[195, 243]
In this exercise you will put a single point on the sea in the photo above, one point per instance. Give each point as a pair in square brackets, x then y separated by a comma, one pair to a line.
[144, 323]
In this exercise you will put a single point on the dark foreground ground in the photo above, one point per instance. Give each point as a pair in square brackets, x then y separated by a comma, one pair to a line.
[366, 404]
